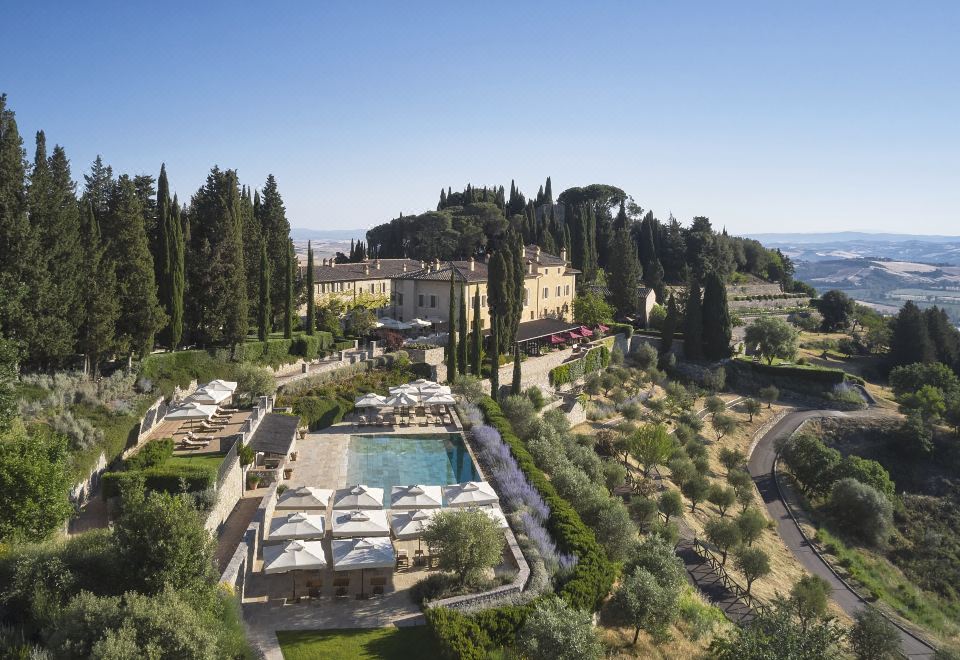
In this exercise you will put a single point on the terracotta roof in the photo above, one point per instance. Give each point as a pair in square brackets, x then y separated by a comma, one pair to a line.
[479, 273]
[366, 270]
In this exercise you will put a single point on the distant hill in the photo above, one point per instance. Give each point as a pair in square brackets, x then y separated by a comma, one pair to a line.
[304, 234]
[850, 236]
[853, 245]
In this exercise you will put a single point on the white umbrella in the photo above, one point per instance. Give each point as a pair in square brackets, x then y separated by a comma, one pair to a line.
[358, 497]
[372, 522]
[296, 526]
[304, 498]
[416, 497]
[435, 389]
[401, 399]
[420, 323]
[495, 513]
[411, 524]
[206, 396]
[408, 388]
[370, 400]
[294, 556]
[363, 553]
[438, 399]
[423, 382]
[225, 385]
[393, 324]
[471, 493]
[192, 410]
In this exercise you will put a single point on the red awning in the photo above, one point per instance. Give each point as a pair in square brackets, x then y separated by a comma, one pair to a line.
[554, 339]
[573, 334]
[585, 331]
[602, 328]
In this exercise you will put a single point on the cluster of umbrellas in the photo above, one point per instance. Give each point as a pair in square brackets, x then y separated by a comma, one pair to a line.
[359, 526]
[578, 333]
[203, 403]
[393, 324]
[419, 392]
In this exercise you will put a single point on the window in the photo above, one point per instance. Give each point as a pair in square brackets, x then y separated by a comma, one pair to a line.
[433, 302]
[558, 292]
[546, 292]
[399, 298]
[483, 300]
[371, 287]
[420, 300]
[566, 290]
[483, 323]
[526, 296]
[531, 314]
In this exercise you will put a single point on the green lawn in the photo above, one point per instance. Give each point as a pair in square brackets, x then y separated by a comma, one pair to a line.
[389, 643]
[213, 460]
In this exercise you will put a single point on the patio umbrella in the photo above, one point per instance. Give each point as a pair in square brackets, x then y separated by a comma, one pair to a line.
[393, 324]
[225, 385]
[423, 382]
[602, 328]
[209, 397]
[192, 410]
[304, 498]
[363, 553]
[573, 334]
[585, 331]
[294, 556]
[420, 323]
[556, 339]
[358, 497]
[471, 493]
[495, 513]
[371, 400]
[435, 389]
[439, 399]
[372, 522]
[411, 524]
[406, 387]
[401, 399]
[416, 497]
[296, 526]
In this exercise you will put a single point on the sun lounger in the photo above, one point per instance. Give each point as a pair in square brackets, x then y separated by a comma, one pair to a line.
[194, 443]
[362, 420]
[205, 438]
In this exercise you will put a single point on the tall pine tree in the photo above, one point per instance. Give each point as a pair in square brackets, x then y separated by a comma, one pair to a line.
[462, 329]
[171, 267]
[311, 314]
[626, 272]
[476, 337]
[452, 351]
[263, 308]
[516, 387]
[669, 326]
[101, 308]
[716, 319]
[910, 341]
[276, 232]
[288, 292]
[693, 323]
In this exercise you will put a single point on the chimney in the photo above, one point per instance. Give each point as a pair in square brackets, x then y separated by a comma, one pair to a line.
[404, 266]
[530, 267]
[366, 268]
[563, 254]
[377, 263]
[523, 251]
[537, 252]
[472, 264]
[333, 263]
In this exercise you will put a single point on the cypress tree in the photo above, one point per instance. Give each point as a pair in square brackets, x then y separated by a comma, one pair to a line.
[311, 314]
[276, 232]
[452, 351]
[516, 385]
[250, 236]
[625, 268]
[170, 254]
[178, 248]
[494, 359]
[910, 341]
[716, 319]
[128, 248]
[263, 309]
[548, 192]
[476, 359]
[669, 326]
[100, 306]
[288, 292]
[462, 328]
[693, 323]
[944, 337]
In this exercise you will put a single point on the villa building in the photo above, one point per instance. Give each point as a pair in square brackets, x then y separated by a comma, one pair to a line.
[549, 289]
[350, 280]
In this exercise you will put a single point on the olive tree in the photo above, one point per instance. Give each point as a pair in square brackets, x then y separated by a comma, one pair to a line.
[773, 338]
[754, 563]
[467, 542]
[873, 637]
[645, 604]
[553, 629]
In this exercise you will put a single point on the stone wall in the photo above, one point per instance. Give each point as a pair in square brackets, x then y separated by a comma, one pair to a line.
[777, 303]
[753, 290]
[229, 490]
[432, 356]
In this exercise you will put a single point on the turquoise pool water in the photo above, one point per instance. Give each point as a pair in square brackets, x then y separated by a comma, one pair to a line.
[384, 461]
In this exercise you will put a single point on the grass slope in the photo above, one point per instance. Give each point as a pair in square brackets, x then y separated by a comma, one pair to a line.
[384, 643]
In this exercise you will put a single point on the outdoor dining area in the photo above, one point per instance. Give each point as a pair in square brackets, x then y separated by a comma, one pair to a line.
[346, 544]
[549, 334]
[202, 419]
[421, 402]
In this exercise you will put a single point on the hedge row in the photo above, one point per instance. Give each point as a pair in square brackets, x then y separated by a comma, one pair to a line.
[275, 352]
[617, 328]
[165, 478]
[596, 358]
[593, 576]
[819, 375]
[319, 413]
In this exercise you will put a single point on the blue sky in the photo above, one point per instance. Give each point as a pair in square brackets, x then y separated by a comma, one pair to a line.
[764, 116]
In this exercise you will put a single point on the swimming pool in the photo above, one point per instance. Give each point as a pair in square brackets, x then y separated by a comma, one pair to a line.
[384, 461]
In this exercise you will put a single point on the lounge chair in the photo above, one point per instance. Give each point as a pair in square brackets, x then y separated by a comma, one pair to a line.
[380, 421]
[203, 438]
[194, 443]
[362, 420]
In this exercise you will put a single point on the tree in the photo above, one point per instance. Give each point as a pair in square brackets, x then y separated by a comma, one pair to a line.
[554, 629]
[754, 563]
[723, 424]
[670, 504]
[254, 381]
[696, 490]
[670, 324]
[476, 359]
[751, 523]
[725, 534]
[311, 295]
[752, 407]
[776, 633]
[494, 359]
[861, 510]
[773, 338]
[693, 323]
[516, 387]
[643, 603]
[808, 598]
[128, 249]
[288, 293]
[910, 341]
[35, 480]
[100, 306]
[462, 365]
[160, 540]
[625, 287]
[589, 308]
[651, 446]
[873, 637]
[9, 371]
[275, 230]
[452, 351]
[769, 395]
[909, 378]
[714, 405]
[716, 319]
[836, 309]
[466, 542]
[731, 458]
[721, 497]
[811, 462]
[263, 311]
[171, 264]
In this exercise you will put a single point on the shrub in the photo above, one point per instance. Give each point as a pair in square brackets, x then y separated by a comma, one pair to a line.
[318, 413]
[536, 397]
[861, 510]
[873, 637]
[151, 454]
[176, 478]
[458, 636]
[555, 630]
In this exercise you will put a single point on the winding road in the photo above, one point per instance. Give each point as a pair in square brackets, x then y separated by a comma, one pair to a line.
[761, 467]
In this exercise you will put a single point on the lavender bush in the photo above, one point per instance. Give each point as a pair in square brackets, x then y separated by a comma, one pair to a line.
[516, 492]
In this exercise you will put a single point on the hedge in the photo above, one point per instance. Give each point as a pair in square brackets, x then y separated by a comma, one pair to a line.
[820, 375]
[593, 576]
[165, 478]
[319, 413]
[151, 454]
[596, 358]
[617, 328]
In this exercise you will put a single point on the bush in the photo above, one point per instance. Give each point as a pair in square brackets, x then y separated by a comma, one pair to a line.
[151, 454]
[536, 397]
[319, 413]
[458, 636]
[861, 511]
[555, 630]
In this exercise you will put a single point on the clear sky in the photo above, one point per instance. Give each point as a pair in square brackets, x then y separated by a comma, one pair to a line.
[764, 116]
